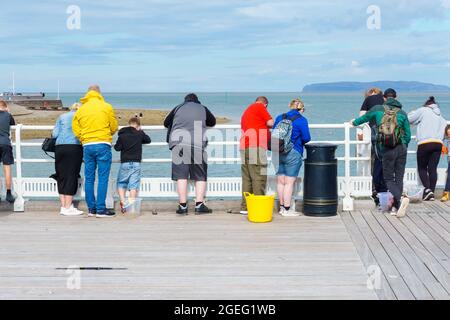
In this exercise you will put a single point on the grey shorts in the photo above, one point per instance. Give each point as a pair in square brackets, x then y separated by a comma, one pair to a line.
[6, 155]
[189, 164]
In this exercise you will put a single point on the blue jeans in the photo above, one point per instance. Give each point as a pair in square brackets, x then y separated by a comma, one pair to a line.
[97, 155]
[289, 164]
[447, 186]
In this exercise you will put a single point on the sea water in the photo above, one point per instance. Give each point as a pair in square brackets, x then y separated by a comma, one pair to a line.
[320, 109]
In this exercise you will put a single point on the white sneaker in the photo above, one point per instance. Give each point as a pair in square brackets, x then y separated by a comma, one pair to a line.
[394, 212]
[282, 210]
[290, 213]
[77, 210]
[70, 212]
[403, 206]
[244, 213]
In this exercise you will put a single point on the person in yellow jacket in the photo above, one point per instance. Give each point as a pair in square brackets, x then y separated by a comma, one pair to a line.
[94, 124]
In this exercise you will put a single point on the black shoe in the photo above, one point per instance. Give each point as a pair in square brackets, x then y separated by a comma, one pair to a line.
[428, 195]
[182, 210]
[92, 213]
[106, 214]
[202, 209]
[10, 198]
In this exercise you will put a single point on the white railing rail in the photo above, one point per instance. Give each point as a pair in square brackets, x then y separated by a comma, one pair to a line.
[349, 186]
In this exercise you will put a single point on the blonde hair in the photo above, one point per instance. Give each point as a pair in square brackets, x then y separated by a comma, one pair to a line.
[75, 106]
[372, 91]
[297, 104]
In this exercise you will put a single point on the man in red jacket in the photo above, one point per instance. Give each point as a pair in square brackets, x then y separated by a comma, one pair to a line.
[255, 124]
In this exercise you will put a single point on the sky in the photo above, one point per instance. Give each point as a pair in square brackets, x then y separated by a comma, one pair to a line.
[220, 45]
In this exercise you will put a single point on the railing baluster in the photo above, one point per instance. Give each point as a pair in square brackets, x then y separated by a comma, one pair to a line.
[348, 201]
[19, 203]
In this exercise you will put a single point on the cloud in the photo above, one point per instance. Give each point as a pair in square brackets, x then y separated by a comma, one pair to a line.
[248, 43]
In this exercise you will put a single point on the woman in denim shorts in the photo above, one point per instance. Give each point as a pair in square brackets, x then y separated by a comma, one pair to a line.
[288, 167]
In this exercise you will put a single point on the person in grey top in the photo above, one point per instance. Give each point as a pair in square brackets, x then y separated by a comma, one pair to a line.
[186, 137]
[6, 151]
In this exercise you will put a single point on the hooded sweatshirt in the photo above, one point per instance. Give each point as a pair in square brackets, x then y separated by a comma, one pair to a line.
[130, 143]
[95, 121]
[430, 124]
[376, 114]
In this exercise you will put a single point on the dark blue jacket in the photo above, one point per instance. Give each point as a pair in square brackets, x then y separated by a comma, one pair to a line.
[300, 130]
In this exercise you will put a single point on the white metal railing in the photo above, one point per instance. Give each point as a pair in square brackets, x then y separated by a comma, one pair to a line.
[349, 186]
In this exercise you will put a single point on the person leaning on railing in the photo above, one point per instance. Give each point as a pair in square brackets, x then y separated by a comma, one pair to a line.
[68, 159]
[187, 124]
[94, 124]
[255, 124]
[288, 164]
[430, 135]
[446, 196]
[394, 145]
[373, 97]
[6, 153]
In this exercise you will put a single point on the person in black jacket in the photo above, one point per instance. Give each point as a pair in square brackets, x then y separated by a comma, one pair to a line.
[129, 143]
[374, 97]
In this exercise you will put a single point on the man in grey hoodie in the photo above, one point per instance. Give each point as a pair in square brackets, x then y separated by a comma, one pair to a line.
[187, 124]
[430, 134]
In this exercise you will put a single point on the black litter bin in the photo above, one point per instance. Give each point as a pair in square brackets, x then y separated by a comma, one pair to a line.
[320, 189]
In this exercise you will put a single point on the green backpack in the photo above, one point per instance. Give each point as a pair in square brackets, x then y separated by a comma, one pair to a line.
[389, 133]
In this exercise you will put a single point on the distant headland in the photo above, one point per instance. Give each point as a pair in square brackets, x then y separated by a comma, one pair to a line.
[401, 86]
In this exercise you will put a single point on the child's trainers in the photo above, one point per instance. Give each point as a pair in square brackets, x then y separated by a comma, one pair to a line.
[403, 206]
[122, 207]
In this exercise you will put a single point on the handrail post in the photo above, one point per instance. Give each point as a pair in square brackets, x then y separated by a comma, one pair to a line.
[347, 201]
[19, 203]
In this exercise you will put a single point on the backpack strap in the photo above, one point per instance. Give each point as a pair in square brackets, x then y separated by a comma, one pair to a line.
[296, 117]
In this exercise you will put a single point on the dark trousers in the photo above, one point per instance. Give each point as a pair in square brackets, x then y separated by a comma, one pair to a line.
[394, 163]
[377, 176]
[428, 156]
[68, 159]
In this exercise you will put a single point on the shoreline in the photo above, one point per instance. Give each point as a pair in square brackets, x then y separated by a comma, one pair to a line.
[24, 116]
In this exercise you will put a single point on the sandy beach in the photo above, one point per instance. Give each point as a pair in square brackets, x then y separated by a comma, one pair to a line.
[30, 117]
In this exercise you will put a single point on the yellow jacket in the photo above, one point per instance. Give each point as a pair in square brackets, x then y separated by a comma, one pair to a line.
[95, 121]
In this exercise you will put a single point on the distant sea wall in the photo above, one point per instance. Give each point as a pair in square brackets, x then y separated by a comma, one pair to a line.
[41, 104]
[350, 87]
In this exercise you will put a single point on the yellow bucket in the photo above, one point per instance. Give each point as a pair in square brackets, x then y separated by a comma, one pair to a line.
[260, 208]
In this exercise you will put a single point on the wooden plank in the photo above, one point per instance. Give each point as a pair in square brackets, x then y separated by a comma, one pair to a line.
[385, 291]
[425, 225]
[413, 239]
[444, 234]
[407, 271]
[423, 272]
[445, 214]
[394, 278]
[425, 240]
[220, 256]
[440, 216]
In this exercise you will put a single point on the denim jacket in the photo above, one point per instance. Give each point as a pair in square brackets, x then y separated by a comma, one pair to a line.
[63, 129]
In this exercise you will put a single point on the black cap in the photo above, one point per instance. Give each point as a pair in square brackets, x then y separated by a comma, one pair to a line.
[192, 97]
[390, 93]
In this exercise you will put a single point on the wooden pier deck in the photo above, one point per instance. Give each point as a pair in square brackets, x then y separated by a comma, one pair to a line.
[222, 256]
[412, 254]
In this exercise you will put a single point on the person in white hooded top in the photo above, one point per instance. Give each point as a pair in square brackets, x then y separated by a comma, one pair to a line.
[430, 135]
